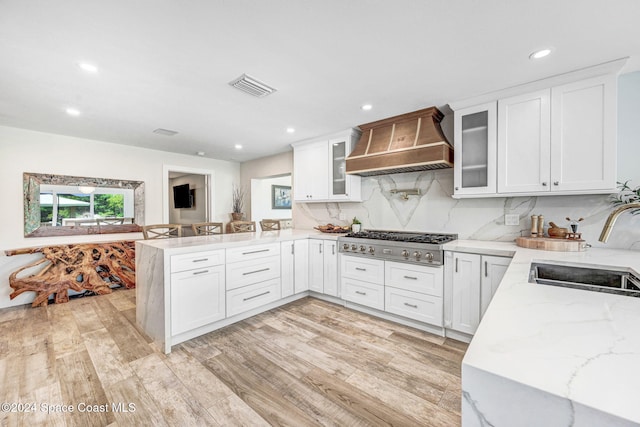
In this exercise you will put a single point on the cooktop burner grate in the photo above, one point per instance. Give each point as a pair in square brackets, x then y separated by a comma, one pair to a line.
[404, 236]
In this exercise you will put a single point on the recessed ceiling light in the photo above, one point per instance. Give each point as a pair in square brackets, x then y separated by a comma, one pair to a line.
[366, 107]
[290, 130]
[72, 112]
[89, 68]
[540, 53]
[238, 146]
[200, 153]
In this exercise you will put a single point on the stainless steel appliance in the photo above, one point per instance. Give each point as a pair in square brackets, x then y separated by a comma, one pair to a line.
[412, 247]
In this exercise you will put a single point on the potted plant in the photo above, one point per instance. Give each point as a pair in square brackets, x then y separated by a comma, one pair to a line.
[626, 195]
[237, 204]
[356, 225]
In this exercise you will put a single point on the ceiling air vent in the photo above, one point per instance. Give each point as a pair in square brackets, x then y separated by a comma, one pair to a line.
[165, 132]
[253, 87]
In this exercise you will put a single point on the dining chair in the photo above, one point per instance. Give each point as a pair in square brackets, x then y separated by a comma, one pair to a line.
[161, 231]
[270, 225]
[110, 221]
[206, 228]
[243, 226]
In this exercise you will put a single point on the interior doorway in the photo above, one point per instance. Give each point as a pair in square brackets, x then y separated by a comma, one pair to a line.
[187, 196]
[271, 198]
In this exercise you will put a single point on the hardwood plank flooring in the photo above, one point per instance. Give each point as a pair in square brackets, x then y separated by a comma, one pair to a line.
[308, 363]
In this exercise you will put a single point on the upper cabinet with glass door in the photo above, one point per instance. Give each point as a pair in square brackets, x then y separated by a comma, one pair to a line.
[555, 136]
[475, 150]
[319, 169]
[342, 186]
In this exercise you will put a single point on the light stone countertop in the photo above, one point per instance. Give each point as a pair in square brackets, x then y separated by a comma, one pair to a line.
[222, 241]
[582, 347]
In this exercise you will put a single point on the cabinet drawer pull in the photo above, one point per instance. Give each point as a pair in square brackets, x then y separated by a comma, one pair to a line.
[255, 252]
[333, 249]
[256, 296]
[456, 265]
[361, 269]
[293, 246]
[200, 260]
[361, 293]
[256, 271]
[486, 270]
[200, 272]
[410, 305]
[411, 277]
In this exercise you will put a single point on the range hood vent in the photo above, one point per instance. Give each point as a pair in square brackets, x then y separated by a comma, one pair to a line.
[252, 86]
[406, 143]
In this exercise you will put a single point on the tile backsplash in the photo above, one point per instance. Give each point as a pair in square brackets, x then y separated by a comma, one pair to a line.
[434, 210]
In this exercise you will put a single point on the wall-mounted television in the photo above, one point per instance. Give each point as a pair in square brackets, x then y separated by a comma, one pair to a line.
[182, 196]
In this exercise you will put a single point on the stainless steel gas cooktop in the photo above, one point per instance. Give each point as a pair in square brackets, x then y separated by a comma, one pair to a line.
[414, 247]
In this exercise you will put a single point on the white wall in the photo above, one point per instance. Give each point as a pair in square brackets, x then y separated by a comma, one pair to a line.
[265, 167]
[483, 219]
[26, 151]
[261, 198]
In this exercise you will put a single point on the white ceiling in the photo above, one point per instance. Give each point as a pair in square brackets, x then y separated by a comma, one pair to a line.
[167, 64]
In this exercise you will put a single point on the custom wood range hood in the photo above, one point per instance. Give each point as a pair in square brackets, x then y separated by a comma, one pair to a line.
[406, 143]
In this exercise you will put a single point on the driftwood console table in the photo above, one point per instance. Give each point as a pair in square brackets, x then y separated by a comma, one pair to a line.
[82, 267]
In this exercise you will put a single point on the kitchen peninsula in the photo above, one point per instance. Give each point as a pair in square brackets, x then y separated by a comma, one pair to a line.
[189, 286]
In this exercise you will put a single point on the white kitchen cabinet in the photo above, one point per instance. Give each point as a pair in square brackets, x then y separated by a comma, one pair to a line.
[255, 252]
[559, 140]
[243, 273]
[316, 265]
[583, 135]
[252, 277]
[301, 270]
[311, 171]
[362, 281]
[413, 305]
[464, 288]
[524, 137]
[294, 261]
[363, 293]
[470, 282]
[197, 290]
[319, 169]
[323, 267]
[416, 278]
[331, 268]
[414, 291]
[252, 296]
[475, 144]
[493, 269]
[287, 268]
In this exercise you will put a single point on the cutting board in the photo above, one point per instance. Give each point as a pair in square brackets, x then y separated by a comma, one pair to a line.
[551, 244]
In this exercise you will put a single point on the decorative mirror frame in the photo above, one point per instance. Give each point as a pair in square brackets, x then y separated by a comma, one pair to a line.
[31, 190]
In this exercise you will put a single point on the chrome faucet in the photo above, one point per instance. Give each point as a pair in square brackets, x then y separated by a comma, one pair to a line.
[613, 216]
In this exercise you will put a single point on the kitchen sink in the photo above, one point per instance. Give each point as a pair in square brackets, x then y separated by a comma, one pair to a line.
[619, 281]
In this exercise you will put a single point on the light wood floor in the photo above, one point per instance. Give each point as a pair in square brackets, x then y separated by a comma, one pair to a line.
[307, 363]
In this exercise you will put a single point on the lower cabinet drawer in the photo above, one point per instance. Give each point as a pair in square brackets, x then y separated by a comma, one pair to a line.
[191, 261]
[363, 269]
[414, 305]
[252, 296]
[244, 273]
[364, 293]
